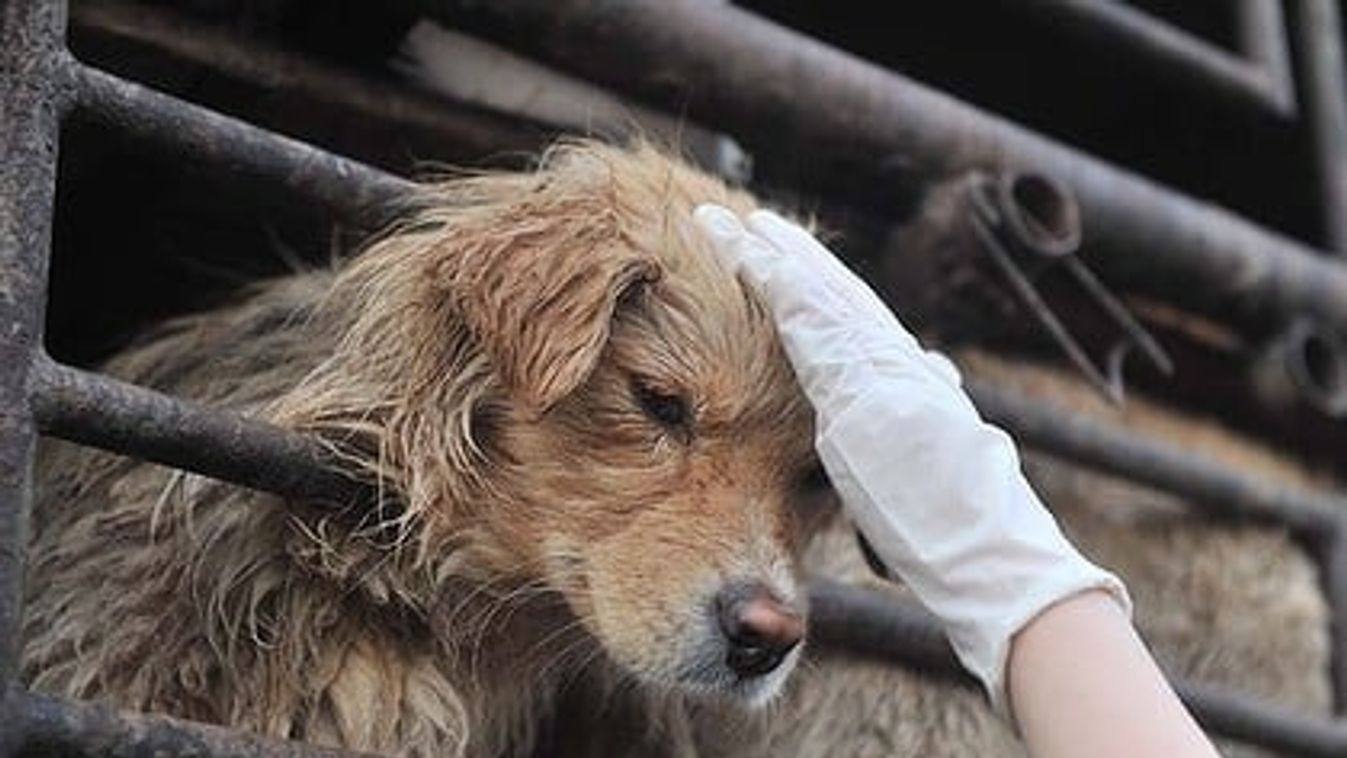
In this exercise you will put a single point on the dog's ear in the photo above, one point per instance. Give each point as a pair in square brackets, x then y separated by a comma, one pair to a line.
[539, 294]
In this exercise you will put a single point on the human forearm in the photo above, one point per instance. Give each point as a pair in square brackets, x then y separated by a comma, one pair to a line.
[1082, 683]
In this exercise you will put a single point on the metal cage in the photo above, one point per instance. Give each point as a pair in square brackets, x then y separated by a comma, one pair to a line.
[719, 49]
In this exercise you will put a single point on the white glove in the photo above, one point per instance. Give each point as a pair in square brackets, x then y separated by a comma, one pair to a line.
[937, 492]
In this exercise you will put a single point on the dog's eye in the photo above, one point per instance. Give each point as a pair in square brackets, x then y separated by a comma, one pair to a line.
[669, 410]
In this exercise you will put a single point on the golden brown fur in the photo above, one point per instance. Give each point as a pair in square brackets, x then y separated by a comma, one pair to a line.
[481, 363]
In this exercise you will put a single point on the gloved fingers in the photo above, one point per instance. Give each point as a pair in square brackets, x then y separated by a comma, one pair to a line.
[943, 367]
[789, 283]
[738, 249]
[791, 238]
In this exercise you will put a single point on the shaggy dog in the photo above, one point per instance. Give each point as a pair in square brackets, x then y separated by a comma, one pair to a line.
[597, 461]
[598, 476]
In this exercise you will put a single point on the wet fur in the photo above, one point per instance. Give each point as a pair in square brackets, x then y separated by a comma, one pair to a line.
[478, 362]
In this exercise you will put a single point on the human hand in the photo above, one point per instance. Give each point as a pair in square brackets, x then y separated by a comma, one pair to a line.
[937, 492]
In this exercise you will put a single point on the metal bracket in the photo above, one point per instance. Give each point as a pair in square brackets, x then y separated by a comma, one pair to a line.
[1030, 260]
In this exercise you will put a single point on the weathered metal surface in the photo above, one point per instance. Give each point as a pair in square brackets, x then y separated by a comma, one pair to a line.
[1162, 51]
[1219, 490]
[1323, 87]
[784, 94]
[1333, 569]
[463, 132]
[1304, 365]
[986, 251]
[196, 134]
[30, 105]
[48, 726]
[1261, 36]
[102, 412]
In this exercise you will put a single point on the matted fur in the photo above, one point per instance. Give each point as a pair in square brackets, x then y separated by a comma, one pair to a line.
[480, 362]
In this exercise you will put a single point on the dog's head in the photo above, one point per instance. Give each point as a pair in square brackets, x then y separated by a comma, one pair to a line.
[581, 397]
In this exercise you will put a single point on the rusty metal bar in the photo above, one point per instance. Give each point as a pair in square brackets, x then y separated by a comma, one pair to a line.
[1167, 53]
[1219, 490]
[31, 102]
[193, 133]
[1333, 568]
[1323, 82]
[464, 132]
[102, 412]
[48, 726]
[1262, 38]
[872, 623]
[785, 94]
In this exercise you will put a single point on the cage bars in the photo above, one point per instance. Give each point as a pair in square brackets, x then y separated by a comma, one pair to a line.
[783, 93]
[97, 410]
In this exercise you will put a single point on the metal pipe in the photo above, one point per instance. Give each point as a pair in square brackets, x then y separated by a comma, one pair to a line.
[472, 70]
[460, 132]
[195, 134]
[1323, 81]
[48, 726]
[96, 410]
[1304, 365]
[1333, 567]
[1166, 53]
[873, 623]
[31, 104]
[1260, 26]
[1218, 490]
[786, 95]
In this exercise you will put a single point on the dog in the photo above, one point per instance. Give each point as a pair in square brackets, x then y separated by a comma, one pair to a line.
[597, 468]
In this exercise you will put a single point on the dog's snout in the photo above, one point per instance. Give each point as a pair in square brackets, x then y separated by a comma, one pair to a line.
[760, 629]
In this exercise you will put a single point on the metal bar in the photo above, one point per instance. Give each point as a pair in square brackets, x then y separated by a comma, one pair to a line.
[1165, 52]
[785, 94]
[1333, 567]
[463, 131]
[48, 726]
[100, 411]
[96, 410]
[1262, 37]
[193, 133]
[31, 102]
[1219, 490]
[873, 623]
[1323, 80]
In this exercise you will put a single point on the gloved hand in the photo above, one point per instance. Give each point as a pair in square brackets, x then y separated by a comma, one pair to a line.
[937, 492]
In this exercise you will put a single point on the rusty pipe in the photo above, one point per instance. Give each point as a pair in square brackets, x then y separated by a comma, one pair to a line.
[931, 262]
[1303, 365]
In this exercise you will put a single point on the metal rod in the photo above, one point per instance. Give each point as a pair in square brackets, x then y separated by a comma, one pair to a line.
[103, 412]
[1323, 82]
[48, 726]
[873, 623]
[1260, 26]
[193, 133]
[1165, 52]
[1219, 490]
[31, 38]
[1333, 566]
[785, 94]
[458, 131]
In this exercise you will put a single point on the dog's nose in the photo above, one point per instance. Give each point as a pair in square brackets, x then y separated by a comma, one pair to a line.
[760, 629]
